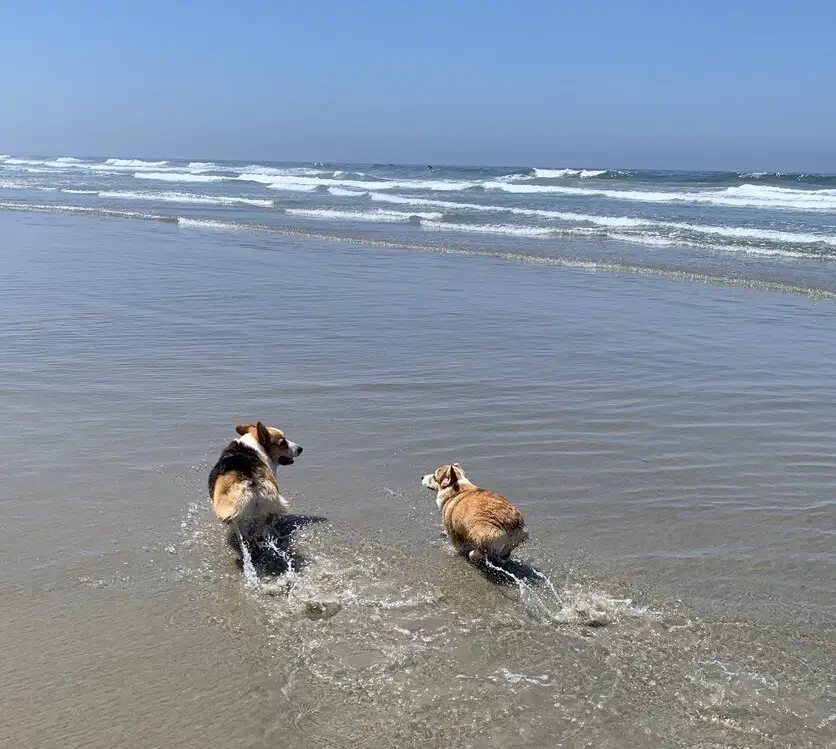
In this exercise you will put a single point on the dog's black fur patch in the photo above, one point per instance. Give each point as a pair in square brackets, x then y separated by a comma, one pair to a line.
[237, 458]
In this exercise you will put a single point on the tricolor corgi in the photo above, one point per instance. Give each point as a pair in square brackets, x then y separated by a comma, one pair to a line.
[243, 484]
[480, 523]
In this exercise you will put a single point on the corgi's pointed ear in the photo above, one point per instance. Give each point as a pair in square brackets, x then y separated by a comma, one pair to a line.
[451, 472]
[263, 435]
[242, 429]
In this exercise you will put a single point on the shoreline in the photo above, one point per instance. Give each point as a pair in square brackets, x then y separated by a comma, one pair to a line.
[530, 258]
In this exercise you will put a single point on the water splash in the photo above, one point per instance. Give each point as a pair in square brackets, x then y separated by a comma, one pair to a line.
[575, 605]
[250, 575]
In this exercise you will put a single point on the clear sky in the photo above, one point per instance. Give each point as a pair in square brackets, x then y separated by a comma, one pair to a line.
[675, 83]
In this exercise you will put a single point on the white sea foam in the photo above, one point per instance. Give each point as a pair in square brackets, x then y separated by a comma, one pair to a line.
[533, 212]
[30, 169]
[178, 177]
[371, 216]
[202, 165]
[304, 183]
[283, 171]
[504, 229]
[651, 241]
[742, 196]
[135, 163]
[343, 193]
[184, 197]
[622, 222]
[280, 182]
[559, 174]
[194, 223]
[90, 210]
[74, 191]
[741, 232]
[67, 160]
[554, 173]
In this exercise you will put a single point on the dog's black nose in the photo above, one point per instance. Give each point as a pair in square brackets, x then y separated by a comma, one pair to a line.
[300, 449]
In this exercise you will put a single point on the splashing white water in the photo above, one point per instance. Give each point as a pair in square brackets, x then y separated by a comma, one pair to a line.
[250, 575]
[575, 605]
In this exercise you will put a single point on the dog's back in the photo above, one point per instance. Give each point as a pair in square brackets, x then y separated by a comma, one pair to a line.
[481, 520]
[244, 490]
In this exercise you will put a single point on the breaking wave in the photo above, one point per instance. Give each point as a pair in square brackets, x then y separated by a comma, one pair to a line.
[742, 196]
[371, 216]
[183, 197]
[179, 177]
[135, 163]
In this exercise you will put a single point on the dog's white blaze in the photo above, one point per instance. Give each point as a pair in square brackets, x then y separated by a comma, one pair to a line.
[252, 442]
[294, 448]
[426, 480]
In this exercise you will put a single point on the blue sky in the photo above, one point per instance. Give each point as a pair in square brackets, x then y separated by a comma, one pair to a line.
[709, 84]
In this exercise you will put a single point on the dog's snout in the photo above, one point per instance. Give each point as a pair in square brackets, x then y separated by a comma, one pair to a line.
[299, 449]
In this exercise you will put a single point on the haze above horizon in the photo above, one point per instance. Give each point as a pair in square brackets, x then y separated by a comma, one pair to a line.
[622, 85]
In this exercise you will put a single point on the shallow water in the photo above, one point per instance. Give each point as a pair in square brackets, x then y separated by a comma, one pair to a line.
[670, 444]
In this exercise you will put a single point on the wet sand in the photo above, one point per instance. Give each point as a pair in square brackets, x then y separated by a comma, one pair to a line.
[670, 444]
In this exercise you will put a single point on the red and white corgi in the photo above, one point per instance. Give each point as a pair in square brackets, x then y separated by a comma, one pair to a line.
[480, 523]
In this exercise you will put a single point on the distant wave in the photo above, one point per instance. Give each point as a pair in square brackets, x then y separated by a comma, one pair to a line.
[647, 229]
[562, 173]
[622, 222]
[302, 183]
[371, 216]
[742, 196]
[84, 210]
[181, 197]
[341, 192]
[134, 163]
[280, 182]
[195, 223]
[789, 177]
[504, 229]
[544, 174]
[179, 177]
[283, 171]
[340, 174]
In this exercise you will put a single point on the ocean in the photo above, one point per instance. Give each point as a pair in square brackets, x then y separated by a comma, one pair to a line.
[643, 362]
[766, 229]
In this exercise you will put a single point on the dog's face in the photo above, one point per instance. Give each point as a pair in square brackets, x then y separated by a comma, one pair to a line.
[280, 450]
[444, 477]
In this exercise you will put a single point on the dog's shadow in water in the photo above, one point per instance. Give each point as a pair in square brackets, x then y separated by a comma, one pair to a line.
[278, 553]
[509, 572]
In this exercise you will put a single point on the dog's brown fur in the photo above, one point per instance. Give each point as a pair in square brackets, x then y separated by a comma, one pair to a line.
[243, 483]
[480, 523]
